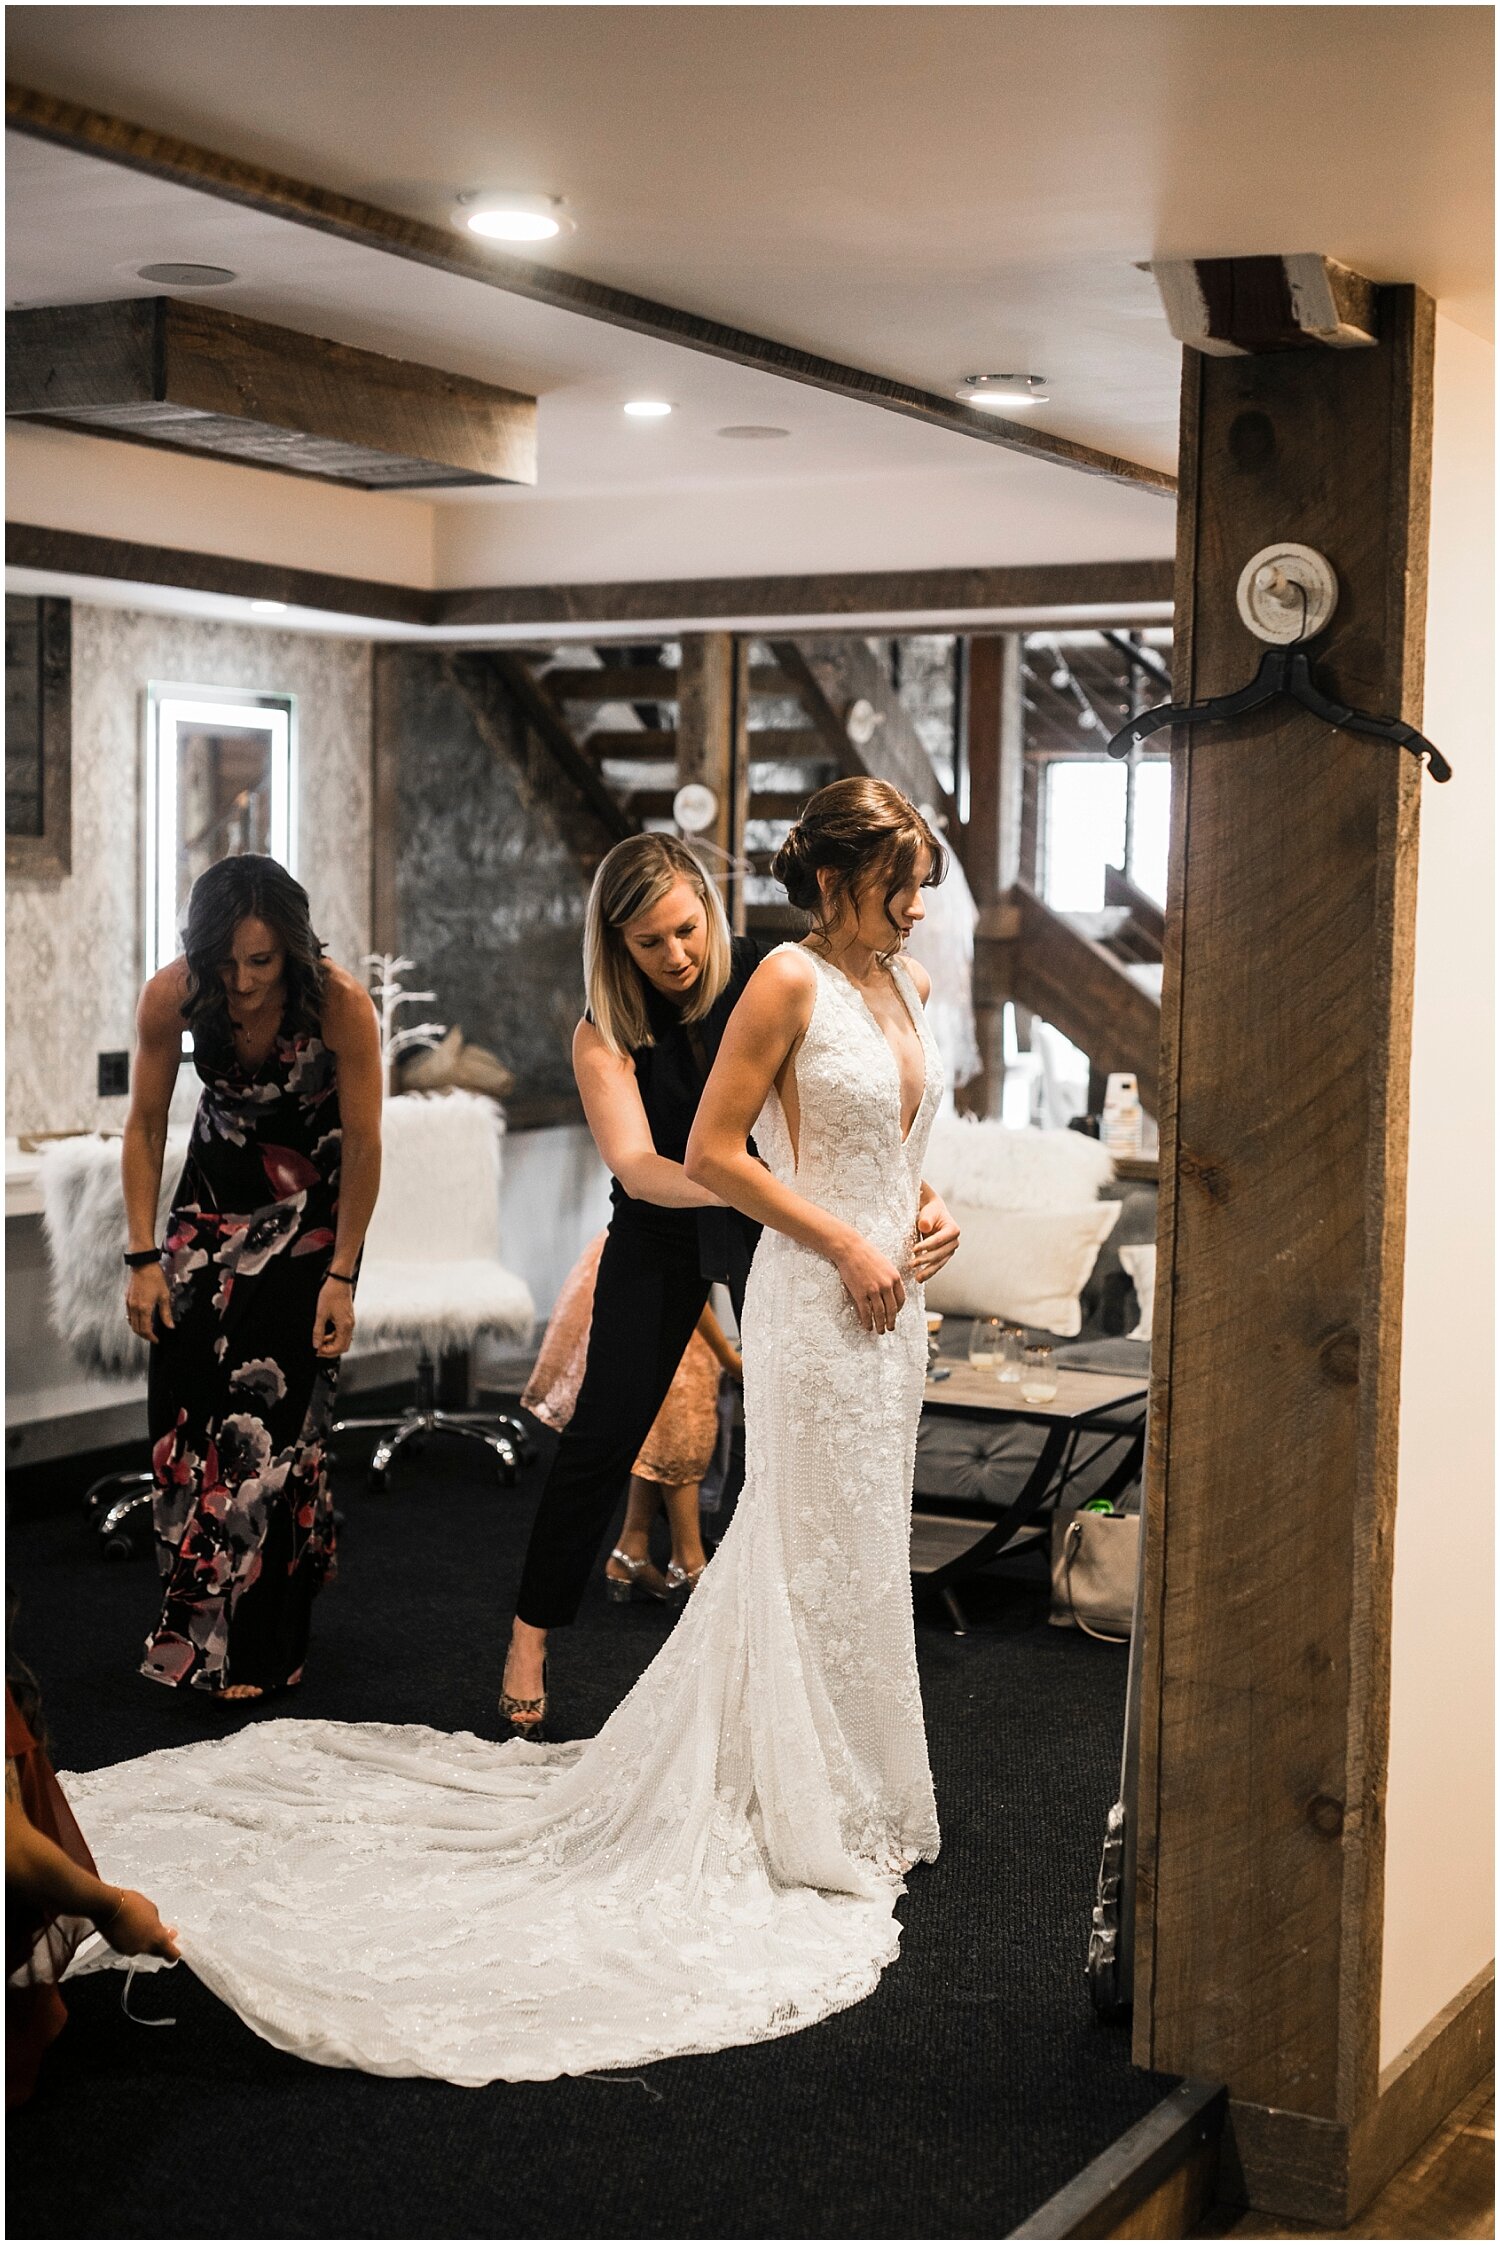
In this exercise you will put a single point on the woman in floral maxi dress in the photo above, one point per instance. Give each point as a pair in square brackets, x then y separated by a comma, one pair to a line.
[249, 1304]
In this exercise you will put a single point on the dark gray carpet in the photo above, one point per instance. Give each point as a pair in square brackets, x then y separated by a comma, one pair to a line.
[969, 2087]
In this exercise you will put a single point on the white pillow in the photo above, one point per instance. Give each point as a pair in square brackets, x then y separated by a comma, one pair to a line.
[1027, 1264]
[1139, 1264]
[989, 1165]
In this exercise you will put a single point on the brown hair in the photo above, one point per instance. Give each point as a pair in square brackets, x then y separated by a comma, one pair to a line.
[250, 888]
[637, 873]
[860, 830]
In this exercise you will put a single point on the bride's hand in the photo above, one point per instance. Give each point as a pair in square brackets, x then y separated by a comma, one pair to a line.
[937, 1237]
[872, 1284]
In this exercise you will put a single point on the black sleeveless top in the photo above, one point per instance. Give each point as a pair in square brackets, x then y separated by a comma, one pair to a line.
[670, 1075]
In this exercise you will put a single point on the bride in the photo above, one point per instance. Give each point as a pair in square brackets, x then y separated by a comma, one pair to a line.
[721, 1864]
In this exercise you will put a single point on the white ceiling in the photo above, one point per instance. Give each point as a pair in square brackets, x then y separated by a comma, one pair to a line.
[78, 229]
[923, 191]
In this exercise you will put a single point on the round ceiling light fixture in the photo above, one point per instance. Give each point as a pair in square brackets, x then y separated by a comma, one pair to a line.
[503, 217]
[752, 432]
[648, 409]
[186, 276]
[997, 393]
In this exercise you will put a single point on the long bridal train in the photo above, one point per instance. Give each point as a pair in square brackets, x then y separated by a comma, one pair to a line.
[721, 1864]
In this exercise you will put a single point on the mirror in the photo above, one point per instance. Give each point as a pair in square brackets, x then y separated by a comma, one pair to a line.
[220, 781]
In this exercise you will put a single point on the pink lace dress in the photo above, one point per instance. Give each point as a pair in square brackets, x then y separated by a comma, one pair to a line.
[680, 1446]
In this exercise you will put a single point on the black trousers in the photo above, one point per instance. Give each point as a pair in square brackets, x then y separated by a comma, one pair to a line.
[648, 1297]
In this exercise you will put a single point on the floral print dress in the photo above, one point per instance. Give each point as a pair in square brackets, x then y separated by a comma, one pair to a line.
[239, 1403]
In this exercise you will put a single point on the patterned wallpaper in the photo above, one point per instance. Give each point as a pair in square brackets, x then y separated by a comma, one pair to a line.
[74, 946]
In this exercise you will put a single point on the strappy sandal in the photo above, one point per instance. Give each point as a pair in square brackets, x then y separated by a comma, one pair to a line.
[620, 1593]
[682, 1580]
[513, 1709]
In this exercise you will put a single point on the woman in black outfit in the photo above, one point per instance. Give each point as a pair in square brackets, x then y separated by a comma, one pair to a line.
[663, 975]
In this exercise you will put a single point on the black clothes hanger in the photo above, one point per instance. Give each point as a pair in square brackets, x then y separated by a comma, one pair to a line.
[1283, 670]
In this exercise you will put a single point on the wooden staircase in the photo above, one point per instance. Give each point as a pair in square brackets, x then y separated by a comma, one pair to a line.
[763, 724]
[1097, 983]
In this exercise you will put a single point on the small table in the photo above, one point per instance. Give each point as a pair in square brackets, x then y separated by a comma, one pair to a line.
[945, 1548]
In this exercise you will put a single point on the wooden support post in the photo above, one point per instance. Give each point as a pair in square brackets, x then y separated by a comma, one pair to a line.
[739, 780]
[1271, 1482]
[990, 840]
[705, 737]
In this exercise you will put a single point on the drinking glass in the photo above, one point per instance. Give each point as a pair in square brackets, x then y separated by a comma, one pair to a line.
[1012, 1351]
[934, 1335]
[984, 1343]
[1038, 1376]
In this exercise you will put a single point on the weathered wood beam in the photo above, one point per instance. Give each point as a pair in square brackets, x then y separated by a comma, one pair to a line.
[70, 553]
[590, 818]
[1026, 952]
[1144, 910]
[1272, 1464]
[645, 682]
[1228, 306]
[842, 671]
[1088, 587]
[189, 377]
[989, 839]
[1020, 592]
[707, 721]
[91, 132]
[828, 726]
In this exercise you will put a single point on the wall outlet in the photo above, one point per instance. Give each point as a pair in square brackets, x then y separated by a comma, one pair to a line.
[114, 1075]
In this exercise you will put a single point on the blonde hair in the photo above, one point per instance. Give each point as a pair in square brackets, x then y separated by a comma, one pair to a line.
[637, 873]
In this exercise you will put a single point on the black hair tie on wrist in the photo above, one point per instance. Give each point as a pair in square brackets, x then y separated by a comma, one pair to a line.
[344, 1277]
[142, 1256]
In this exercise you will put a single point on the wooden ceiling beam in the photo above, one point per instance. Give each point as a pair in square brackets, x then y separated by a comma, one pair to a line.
[91, 132]
[1020, 591]
[195, 378]
[72, 553]
[1017, 592]
[1231, 307]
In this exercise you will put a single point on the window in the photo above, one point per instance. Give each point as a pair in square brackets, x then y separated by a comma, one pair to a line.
[1097, 813]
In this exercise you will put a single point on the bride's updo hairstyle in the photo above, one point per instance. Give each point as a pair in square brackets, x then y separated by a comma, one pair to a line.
[637, 873]
[860, 830]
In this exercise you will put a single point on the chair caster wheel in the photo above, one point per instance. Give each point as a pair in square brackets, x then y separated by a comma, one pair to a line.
[118, 1547]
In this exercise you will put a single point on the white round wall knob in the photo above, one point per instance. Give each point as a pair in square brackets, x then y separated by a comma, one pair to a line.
[695, 808]
[860, 721]
[1286, 593]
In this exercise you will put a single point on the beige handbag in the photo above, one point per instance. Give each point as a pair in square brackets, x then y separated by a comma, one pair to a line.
[1093, 1572]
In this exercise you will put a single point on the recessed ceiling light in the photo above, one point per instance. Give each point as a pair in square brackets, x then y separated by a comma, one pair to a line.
[503, 217]
[187, 276]
[268, 607]
[648, 409]
[997, 393]
[752, 432]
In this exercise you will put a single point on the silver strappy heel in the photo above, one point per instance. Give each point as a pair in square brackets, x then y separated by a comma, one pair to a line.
[620, 1593]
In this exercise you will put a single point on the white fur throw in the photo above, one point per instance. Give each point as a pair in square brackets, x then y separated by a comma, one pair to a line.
[986, 1165]
[83, 1210]
[432, 1270]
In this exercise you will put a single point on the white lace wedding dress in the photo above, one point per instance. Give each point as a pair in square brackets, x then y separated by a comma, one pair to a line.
[722, 1862]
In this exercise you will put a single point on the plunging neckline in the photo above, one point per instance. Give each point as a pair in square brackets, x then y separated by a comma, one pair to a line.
[874, 1019]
